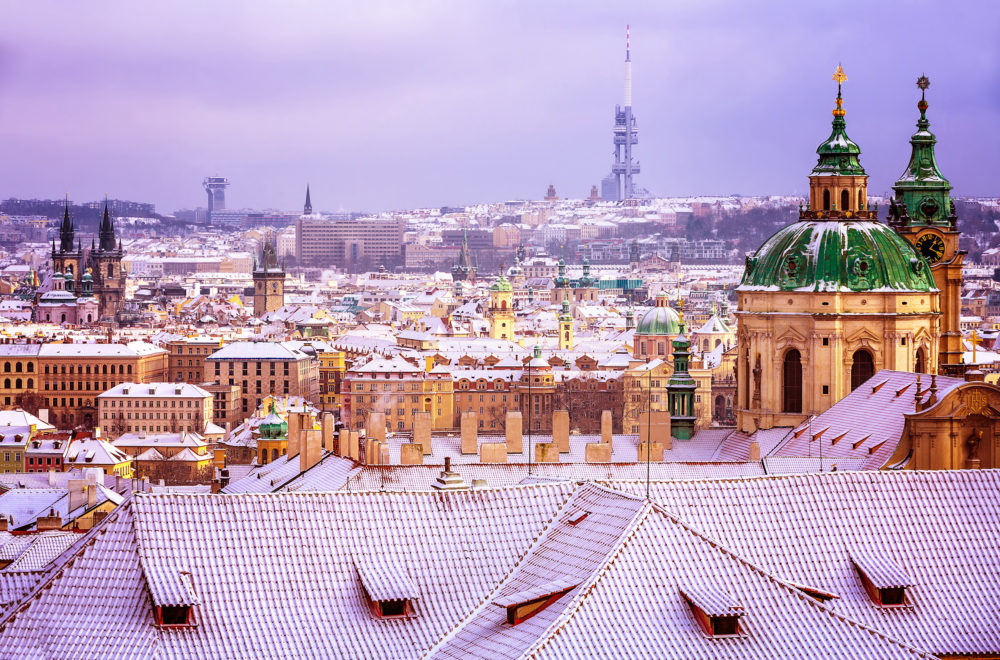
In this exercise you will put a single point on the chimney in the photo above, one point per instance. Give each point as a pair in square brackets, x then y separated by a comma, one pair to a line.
[470, 433]
[52, 478]
[224, 477]
[560, 430]
[376, 426]
[311, 449]
[327, 424]
[294, 434]
[77, 489]
[449, 480]
[91, 496]
[513, 430]
[3, 523]
[49, 522]
[607, 426]
[422, 431]
[754, 450]
[493, 452]
[219, 457]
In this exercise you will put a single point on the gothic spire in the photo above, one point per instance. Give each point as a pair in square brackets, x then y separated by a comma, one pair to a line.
[66, 231]
[107, 230]
[308, 208]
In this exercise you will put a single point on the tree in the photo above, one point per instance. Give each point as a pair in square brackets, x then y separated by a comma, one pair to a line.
[30, 402]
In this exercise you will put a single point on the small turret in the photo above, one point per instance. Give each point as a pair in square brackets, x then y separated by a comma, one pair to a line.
[107, 231]
[681, 387]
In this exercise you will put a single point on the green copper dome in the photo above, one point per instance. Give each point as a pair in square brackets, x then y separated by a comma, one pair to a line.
[502, 284]
[850, 255]
[273, 427]
[661, 320]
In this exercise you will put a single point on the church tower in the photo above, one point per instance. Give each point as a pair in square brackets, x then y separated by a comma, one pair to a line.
[923, 212]
[565, 328]
[268, 281]
[502, 309]
[106, 263]
[829, 300]
[67, 258]
[681, 388]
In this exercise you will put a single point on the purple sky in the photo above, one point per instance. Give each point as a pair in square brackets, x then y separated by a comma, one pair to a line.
[397, 105]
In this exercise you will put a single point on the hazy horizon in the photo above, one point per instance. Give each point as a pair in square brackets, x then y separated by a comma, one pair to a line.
[399, 105]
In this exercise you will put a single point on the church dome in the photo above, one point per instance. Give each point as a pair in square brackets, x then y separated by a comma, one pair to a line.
[661, 320]
[830, 255]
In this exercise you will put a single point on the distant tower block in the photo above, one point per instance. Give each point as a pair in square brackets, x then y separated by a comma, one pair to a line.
[215, 186]
[594, 195]
[550, 194]
[626, 134]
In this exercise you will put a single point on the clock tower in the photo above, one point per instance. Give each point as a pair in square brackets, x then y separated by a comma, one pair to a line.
[922, 212]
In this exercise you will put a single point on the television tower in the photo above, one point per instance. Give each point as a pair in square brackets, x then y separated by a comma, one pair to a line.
[215, 186]
[625, 134]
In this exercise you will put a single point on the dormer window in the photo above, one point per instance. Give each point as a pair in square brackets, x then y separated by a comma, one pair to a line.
[388, 590]
[172, 595]
[523, 604]
[717, 613]
[884, 580]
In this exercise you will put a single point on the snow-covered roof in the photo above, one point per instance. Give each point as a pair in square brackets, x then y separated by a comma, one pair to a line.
[155, 390]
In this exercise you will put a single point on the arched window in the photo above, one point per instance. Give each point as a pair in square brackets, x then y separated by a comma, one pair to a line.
[503, 304]
[791, 375]
[31, 367]
[6, 383]
[18, 367]
[18, 383]
[111, 270]
[6, 367]
[920, 363]
[63, 318]
[274, 454]
[826, 200]
[862, 369]
[31, 383]
[845, 200]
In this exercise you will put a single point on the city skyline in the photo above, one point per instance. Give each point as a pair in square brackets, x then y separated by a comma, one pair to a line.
[393, 107]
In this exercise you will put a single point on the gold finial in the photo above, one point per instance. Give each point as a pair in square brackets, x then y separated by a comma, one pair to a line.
[840, 77]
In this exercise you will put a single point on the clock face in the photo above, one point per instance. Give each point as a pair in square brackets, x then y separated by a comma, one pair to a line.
[932, 247]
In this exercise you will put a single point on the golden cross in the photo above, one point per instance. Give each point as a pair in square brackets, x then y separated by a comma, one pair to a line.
[975, 338]
[839, 76]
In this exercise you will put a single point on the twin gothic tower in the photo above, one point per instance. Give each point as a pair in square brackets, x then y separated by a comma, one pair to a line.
[102, 263]
[829, 300]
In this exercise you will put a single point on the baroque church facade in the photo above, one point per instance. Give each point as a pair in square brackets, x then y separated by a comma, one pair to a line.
[831, 299]
[88, 285]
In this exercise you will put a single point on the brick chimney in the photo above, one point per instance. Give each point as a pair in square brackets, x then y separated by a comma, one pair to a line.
[607, 426]
[754, 450]
[3, 523]
[327, 426]
[77, 493]
[493, 452]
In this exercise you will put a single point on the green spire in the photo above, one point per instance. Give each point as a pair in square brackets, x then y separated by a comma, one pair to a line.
[922, 190]
[838, 155]
[681, 388]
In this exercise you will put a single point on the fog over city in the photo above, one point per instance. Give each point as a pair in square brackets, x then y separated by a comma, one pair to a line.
[401, 105]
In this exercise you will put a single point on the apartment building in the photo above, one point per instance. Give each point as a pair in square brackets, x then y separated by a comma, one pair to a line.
[349, 243]
[19, 365]
[400, 390]
[154, 408]
[261, 368]
[73, 375]
[186, 358]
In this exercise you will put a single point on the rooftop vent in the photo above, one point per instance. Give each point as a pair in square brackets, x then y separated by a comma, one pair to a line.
[449, 480]
[523, 604]
[884, 580]
[388, 589]
[716, 611]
